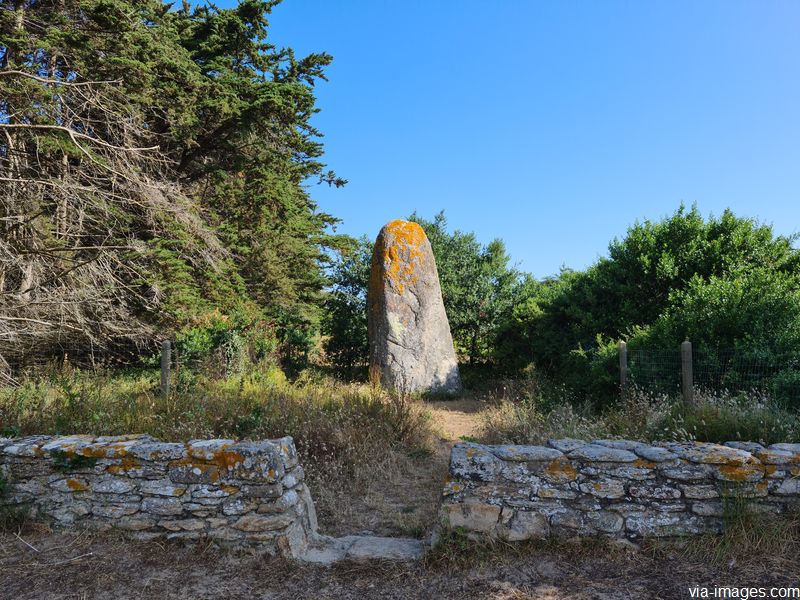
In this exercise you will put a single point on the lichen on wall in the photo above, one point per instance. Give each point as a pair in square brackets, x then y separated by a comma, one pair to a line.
[615, 488]
[240, 493]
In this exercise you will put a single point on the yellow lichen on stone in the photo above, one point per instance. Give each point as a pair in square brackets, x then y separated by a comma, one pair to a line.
[227, 459]
[560, 470]
[641, 463]
[125, 465]
[738, 472]
[402, 255]
[93, 452]
[76, 486]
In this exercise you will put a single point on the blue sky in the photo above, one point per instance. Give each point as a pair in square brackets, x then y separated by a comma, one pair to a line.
[554, 125]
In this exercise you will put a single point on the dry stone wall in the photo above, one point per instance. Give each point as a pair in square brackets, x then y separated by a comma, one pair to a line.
[615, 488]
[236, 493]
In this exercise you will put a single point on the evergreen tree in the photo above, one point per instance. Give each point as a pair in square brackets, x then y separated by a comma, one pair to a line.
[212, 214]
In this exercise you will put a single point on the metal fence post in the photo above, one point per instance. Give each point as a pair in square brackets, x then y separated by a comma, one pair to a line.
[166, 360]
[687, 386]
[623, 368]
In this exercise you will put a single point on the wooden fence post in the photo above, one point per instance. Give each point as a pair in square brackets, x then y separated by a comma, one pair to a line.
[166, 360]
[687, 381]
[623, 368]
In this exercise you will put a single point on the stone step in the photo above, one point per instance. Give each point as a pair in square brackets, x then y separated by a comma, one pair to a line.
[363, 547]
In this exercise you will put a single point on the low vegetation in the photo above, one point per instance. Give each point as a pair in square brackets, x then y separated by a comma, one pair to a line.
[349, 436]
[529, 412]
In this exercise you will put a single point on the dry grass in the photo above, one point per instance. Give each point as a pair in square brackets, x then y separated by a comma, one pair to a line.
[367, 454]
[529, 413]
[88, 566]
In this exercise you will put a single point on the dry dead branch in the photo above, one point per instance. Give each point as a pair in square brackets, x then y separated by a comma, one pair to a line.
[84, 194]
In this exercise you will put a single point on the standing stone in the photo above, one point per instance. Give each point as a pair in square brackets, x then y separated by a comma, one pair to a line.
[410, 346]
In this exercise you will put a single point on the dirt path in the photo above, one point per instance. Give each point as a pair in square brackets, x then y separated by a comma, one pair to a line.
[403, 499]
[457, 419]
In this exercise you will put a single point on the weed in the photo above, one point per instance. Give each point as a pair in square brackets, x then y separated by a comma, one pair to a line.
[66, 463]
[532, 417]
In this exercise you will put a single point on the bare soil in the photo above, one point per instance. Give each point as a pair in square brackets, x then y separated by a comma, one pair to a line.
[44, 565]
[456, 419]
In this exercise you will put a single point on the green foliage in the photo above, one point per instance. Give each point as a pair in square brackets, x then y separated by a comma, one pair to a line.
[66, 463]
[232, 116]
[724, 283]
[345, 325]
[477, 285]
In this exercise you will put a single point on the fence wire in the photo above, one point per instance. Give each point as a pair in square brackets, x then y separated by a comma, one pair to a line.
[721, 371]
[86, 356]
[655, 370]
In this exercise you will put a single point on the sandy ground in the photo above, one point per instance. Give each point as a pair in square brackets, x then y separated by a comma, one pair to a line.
[456, 419]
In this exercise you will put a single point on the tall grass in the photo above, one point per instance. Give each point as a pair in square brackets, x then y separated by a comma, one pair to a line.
[345, 434]
[533, 413]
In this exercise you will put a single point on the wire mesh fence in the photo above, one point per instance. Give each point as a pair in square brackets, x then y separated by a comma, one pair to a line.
[725, 371]
[86, 355]
[656, 370]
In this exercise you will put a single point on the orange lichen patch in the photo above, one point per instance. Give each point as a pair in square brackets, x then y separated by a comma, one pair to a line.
[76, 486]
[795, 471]
[38, 452]
[227, 459]
[93, 452]
[68, 450]
[641, 463]
[204, 468]
[769, 470]
[125, 465]
[230, 489]
[560, 471]
[762, 486]
[401, 257]
[721, 458]
[738, 472]
[115, 450]
[271, 473]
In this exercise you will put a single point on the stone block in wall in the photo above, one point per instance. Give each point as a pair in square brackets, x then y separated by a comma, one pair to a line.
[613, 488]
[234, 492]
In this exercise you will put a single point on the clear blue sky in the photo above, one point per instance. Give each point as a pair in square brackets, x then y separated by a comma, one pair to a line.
[554, 125]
